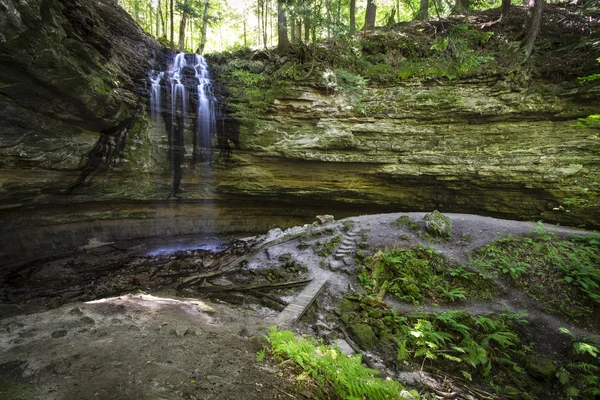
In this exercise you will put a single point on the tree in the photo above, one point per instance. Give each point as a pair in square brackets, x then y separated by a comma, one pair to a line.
[352, 16]
[423, 13]
[505, 7]
[370, 15]
[283, 43]
[171, 6]
[203, 38]
[461, 7]
[532, 25]
[188, 10]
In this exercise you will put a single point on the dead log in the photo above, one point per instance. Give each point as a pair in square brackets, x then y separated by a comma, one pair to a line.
[231, 265]
[248, 288]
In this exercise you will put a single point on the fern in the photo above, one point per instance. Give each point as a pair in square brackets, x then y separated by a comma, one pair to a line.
[584, 367]
[585, 348]
[327, 365]
[504, 339]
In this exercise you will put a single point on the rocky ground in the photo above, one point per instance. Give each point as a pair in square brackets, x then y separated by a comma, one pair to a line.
[137, 320]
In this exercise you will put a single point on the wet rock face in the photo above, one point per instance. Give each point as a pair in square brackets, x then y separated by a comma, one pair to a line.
[70, 69]
[484, 147]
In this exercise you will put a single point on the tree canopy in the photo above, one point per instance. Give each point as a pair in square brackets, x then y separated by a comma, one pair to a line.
[218, 25]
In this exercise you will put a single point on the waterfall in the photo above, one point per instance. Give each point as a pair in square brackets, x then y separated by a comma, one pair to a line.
[155, 78]
[183, 97]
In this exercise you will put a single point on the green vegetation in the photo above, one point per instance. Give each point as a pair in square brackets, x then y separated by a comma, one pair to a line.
[563, 274]
[485, 349]
[325, 249]
[332, 371]
[401, 221]
[417, 274]
[582, 376]
[348, 225]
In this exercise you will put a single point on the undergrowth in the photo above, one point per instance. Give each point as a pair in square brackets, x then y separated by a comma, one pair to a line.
[483, 350]
[418, 273]
[563, 274]
[330, 369]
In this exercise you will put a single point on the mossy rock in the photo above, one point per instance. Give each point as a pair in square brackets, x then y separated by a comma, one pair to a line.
[403, 220]
[438, 225]
[347, 306]
[541, 368]
[16, 391]
[364, 336]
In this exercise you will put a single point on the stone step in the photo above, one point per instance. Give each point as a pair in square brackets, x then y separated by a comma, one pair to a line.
[344, 247]
[347, 242]
[344, 251]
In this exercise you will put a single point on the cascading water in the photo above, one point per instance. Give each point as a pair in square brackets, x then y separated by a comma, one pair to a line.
[183, 97]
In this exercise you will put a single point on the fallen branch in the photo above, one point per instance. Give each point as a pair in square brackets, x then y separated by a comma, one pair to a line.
[228, 267]
[268, 296]
[247, 288]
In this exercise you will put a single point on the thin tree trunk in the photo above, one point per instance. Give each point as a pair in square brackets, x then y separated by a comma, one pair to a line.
[184, 18]
[370, 15]
[265, 22]
[259, 24]
[172, 11]
[505, 7]
[157, 20]
[306, 30]
[461, 7]
[203, 38]
[162, 20]
[533, 25]
[352, 16]
[293, 33]
[283, 43]
[244, 25]
[423, 13]
[298, 29]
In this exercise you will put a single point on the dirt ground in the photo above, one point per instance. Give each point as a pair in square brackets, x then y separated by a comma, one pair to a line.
[154, 341]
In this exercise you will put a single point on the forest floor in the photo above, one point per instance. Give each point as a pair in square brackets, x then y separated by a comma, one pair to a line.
[125, 321]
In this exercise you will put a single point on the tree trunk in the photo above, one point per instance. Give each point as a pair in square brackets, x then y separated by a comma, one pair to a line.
[423, 13]
[306, 30]
[184, 18]
[533, 25]
[162, 21]
[156, 20]
[461, 7]
[370, 15]
[265, 21]
[298, 30]
[283, 43]
[505, 7]
[172, 11]
[293, 32]
[352, 16]
[203, 38]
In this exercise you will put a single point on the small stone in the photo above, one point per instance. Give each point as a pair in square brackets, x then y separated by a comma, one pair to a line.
[323, 219]
[87, 320]
[59, 334]
[76, 311]
[190, 332]
[344, 347]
